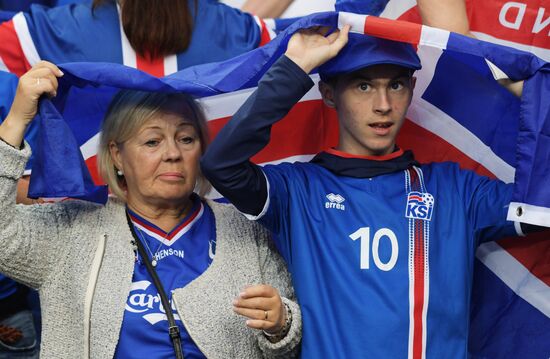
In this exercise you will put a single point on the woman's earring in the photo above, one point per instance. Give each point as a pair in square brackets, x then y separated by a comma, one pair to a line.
[119, 173]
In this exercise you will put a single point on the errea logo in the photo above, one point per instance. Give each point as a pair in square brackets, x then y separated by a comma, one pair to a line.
[335, 201]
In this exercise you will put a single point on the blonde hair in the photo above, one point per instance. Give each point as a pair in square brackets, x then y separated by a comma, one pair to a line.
[127, 113]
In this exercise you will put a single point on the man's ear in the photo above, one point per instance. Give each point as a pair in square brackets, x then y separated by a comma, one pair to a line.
[413, 82]
[327, 93]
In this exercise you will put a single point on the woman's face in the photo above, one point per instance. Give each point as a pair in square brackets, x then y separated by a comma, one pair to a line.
[161, 162]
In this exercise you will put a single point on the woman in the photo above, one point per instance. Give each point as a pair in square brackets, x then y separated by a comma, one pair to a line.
[159, 37]
[97, 290]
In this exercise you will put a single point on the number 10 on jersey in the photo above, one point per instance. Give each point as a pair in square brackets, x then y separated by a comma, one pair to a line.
[363, 234]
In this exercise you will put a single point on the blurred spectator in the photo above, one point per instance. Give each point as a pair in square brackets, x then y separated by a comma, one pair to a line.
[157, 36]
[451, 15]
[445, 14]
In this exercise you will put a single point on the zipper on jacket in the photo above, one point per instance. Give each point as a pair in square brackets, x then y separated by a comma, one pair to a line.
[92, 282]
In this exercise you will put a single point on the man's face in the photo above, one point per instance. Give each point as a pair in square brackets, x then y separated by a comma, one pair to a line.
[371, 105]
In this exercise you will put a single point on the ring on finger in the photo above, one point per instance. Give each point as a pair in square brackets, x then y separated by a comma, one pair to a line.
[266, 315]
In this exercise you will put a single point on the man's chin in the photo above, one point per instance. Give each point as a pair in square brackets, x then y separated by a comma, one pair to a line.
[382, 149]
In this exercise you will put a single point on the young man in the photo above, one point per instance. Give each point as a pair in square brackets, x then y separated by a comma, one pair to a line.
[380, 248]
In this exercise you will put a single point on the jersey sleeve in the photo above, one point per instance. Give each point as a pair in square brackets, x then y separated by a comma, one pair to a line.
[258, 193]
[274, 215]
[226, 163]
[487, 202]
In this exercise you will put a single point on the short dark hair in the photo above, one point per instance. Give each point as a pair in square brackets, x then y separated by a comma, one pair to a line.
[156, 27]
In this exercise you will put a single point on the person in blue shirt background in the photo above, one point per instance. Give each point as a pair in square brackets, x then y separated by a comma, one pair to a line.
[160, 37]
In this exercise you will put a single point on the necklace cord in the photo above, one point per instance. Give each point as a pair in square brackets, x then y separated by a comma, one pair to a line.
[173, 329]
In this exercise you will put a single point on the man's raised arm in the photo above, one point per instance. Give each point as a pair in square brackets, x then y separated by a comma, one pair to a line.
[226, 163]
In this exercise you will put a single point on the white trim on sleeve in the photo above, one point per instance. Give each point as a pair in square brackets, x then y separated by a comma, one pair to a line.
[266, 205]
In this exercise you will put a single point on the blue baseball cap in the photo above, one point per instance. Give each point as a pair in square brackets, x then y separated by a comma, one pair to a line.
[364, 50]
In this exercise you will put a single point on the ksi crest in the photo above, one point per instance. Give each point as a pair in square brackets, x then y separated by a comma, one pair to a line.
[419, 206]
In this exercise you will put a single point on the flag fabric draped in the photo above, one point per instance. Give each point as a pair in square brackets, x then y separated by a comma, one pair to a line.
[7, 92]
[458, 113]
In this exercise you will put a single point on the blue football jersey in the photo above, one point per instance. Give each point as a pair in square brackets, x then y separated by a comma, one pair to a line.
[75, 33]
[182, 255]
[383, 266]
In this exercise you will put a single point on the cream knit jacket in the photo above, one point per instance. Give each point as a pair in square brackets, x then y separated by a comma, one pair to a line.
[80, 258]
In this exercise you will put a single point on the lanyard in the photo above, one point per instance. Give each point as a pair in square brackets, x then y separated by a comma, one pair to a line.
[173, 329]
